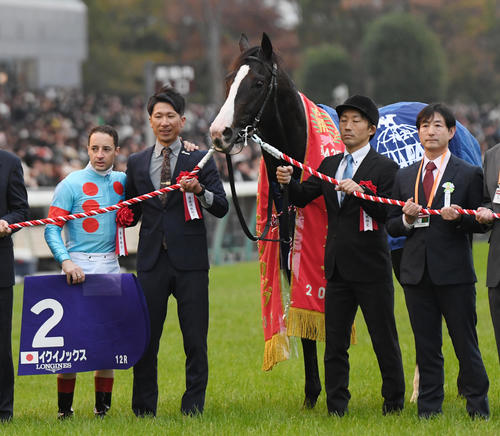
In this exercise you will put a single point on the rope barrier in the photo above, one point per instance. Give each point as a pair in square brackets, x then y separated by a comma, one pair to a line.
[267, 147]
[138, 199]
[280, 155]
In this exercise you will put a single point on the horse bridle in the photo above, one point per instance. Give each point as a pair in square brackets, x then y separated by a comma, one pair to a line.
[243, 135]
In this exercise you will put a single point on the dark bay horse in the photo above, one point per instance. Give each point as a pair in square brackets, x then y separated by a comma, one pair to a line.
[261, 96]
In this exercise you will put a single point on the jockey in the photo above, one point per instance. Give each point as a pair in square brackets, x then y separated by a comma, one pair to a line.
[90, 242]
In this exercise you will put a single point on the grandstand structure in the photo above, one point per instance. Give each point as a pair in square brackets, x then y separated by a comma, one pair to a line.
[42, 43]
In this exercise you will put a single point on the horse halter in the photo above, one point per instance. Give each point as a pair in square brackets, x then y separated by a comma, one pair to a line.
[273, 85]
[244, 134]
[247, 131]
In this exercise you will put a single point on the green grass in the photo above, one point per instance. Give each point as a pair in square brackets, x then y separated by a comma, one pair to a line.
[241, 399]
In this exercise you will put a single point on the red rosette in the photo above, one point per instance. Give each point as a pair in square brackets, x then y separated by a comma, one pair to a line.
[185, 174]
[369, 185]
[124, 217]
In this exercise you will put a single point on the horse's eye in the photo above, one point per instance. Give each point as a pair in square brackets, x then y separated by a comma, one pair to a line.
[259, 84]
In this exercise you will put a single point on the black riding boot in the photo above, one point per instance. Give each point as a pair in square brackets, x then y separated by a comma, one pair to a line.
[64, 403]
[102, 403]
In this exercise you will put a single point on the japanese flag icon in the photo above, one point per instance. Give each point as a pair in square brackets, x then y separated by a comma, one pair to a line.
[29, 357]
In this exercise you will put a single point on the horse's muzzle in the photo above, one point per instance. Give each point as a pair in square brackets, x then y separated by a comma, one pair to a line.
[225, 143]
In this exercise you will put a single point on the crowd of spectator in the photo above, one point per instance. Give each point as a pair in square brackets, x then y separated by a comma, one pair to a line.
[48, 131]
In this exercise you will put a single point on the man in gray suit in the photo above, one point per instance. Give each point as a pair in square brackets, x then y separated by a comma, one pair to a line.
[491, 203]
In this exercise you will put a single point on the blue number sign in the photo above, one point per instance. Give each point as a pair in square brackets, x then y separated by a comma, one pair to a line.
[102, 323]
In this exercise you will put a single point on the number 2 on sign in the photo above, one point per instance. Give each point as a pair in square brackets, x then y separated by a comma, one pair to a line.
[40, 340]
[321, 292]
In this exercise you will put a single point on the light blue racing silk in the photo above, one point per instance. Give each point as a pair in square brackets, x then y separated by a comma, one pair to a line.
[83, 191]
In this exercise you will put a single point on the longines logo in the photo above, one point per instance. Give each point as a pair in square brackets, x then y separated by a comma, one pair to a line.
[53, 367]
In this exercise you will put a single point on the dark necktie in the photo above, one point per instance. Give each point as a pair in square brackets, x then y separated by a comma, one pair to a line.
[166, 174]
[428, 179]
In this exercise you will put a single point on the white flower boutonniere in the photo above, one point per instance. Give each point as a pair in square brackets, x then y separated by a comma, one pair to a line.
[448, 189]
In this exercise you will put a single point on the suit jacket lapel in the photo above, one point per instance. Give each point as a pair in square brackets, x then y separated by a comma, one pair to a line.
[362, 173]
[448, 176]
[145, 164]
[492, 175]
[181, 165]
[335, 165]
[365, 169]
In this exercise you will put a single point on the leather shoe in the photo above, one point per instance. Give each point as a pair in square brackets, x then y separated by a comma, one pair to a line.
[5, 418]
[390, 409]
[194, 411]
[479, 415]
[340, 413]
[144, 413]
[430, 414]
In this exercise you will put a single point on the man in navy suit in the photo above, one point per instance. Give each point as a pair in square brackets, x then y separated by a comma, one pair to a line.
[437, 272]
[357, 258]
[13, 209]
[172, 256]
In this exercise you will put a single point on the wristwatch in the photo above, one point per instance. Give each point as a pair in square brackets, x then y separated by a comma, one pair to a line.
[202, 192]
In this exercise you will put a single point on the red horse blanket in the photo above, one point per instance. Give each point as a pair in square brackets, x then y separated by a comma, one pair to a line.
[300, 310]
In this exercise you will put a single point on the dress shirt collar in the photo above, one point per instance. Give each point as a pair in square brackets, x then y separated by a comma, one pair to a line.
[175, 148]
[437, 161]
[358, 155]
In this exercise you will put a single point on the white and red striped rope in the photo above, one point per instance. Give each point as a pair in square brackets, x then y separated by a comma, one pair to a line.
[280, 155]
[138, 199]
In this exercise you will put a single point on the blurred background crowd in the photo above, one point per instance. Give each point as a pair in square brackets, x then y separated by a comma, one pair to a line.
[48, 131]
[69, 65]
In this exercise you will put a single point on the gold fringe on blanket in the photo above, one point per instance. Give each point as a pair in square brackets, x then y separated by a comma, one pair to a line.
[309, 324]
[305, 323]
[276, 350]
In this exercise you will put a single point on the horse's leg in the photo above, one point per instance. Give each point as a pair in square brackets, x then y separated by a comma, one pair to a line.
[313, 383]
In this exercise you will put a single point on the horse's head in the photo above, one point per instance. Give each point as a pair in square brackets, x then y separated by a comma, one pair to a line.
[249, 85]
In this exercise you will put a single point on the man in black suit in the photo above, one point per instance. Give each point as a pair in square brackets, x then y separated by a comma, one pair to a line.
[13, 209]
[357, 258]
[491, 204]
[437, 272]
[172, 257]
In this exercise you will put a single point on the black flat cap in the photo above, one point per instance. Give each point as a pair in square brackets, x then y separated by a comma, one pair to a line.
[363, 104]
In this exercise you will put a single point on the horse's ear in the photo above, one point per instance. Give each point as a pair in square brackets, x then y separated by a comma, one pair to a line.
[244, 44]
[267, 47]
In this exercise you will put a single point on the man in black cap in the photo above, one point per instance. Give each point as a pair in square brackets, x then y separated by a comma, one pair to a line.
[357, 257]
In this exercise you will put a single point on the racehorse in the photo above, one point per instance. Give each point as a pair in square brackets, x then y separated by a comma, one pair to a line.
[260, 95]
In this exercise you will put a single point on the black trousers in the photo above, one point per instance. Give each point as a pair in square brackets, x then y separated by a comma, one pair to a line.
[6, 365]
[190, 288]
[376, 301]
[427, 303]
[494, 297]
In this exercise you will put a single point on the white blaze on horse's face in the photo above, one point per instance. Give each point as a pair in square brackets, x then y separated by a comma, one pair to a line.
[224, 118]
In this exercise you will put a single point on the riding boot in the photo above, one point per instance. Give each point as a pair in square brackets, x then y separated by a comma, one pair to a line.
[102, 403]
[103, 389]
[65, 393]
